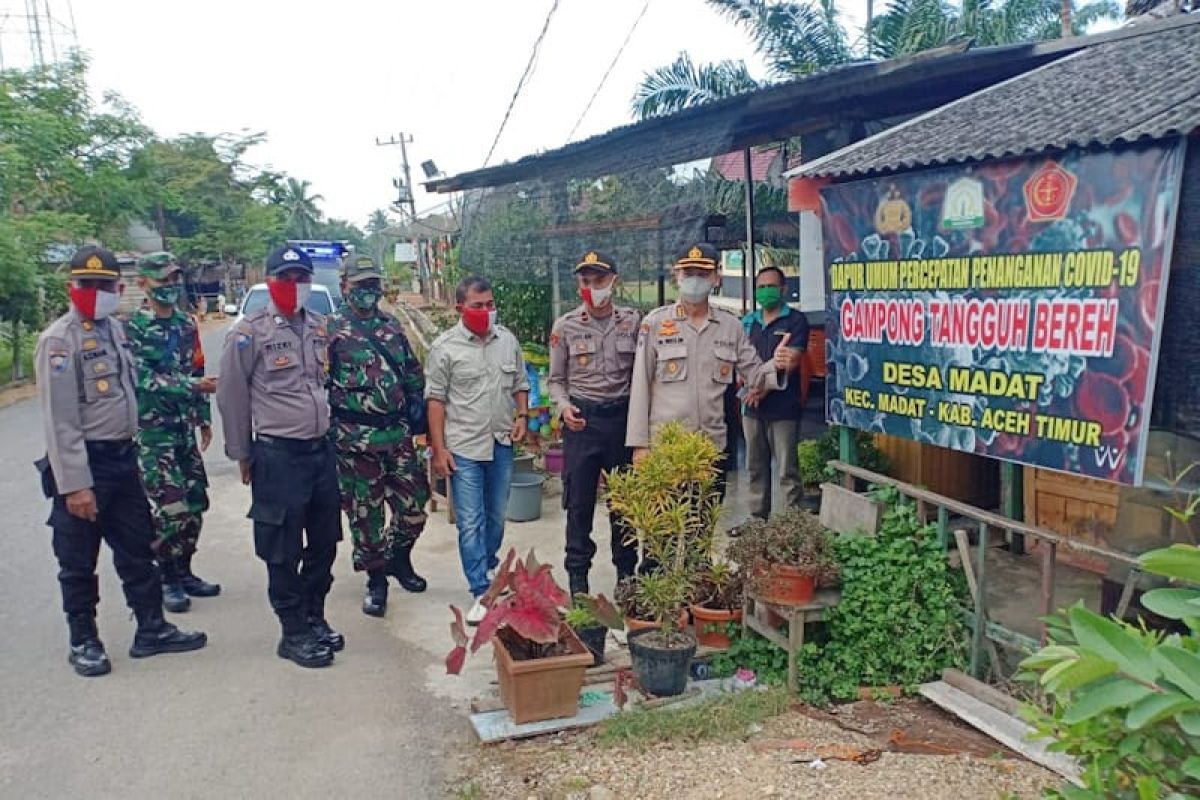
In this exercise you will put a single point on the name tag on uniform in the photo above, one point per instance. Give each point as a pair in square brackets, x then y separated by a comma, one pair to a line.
[273, 347]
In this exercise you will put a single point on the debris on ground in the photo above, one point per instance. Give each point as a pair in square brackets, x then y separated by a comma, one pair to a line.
[864, 750]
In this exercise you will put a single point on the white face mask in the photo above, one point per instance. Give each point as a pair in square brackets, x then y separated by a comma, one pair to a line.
[597, 297]
[106, 303]
[303, 290]
[694, 288]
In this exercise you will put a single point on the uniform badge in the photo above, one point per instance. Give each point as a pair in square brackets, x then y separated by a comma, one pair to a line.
[58, 362]
[583, 361]
[581, 347]
[645, 327]
[243, 341]
[87, 325]
[100, 367]
[282, 361]
[679, 312]
[102, 385]
[555, 339]
[94, 263]
[724, 372]
[672, 367]
[89, 344]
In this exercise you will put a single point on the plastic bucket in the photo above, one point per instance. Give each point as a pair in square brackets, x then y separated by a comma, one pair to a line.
[554, 460]
[525, 497]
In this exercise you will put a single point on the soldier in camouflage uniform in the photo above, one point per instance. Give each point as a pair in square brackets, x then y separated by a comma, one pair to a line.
[172, 394]
[376, 398]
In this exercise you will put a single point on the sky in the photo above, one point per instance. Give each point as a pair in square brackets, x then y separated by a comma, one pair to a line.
[325, 79]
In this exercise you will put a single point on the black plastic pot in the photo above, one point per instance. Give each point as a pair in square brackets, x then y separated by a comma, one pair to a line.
[661, 671]
[594, 638]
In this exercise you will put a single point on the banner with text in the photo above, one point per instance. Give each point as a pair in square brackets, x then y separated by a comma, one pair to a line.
[1009, 309]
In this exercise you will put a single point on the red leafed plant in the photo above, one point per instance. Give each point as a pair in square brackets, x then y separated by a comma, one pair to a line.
[523, 598]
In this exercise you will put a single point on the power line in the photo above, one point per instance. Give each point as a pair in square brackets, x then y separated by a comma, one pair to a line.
[608, 71]
[521, 83]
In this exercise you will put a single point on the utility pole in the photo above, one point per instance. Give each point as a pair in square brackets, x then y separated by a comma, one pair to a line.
[407, 195]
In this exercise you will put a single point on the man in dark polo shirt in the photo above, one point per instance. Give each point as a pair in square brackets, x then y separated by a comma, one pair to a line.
[771, 421]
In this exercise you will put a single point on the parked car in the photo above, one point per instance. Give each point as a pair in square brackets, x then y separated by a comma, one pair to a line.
[319, 300]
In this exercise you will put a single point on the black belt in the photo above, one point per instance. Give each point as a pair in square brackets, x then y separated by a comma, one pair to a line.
[292, 445]
[370, 420]
[109, 447]
[606, 408]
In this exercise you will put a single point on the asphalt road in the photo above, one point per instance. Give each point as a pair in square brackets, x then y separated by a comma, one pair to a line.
[232, 720]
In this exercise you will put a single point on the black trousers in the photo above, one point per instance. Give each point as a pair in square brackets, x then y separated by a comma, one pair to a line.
[599, 446]
[297, 524]
[123, 521]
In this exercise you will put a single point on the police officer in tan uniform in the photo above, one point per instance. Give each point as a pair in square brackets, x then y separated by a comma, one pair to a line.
[689, 353]
[591, 362]
[275, 416]
[85, 378]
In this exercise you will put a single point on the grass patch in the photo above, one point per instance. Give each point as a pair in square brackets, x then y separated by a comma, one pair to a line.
[724, 718]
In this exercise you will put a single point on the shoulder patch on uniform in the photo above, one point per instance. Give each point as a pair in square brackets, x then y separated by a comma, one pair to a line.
[243, 340]
[555, 339]
[58, 362]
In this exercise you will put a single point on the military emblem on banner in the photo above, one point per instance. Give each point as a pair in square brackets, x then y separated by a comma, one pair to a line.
[1048, 192]
[962, 209]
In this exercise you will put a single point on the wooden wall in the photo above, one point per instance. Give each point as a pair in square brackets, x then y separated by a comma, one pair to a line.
[962, 476]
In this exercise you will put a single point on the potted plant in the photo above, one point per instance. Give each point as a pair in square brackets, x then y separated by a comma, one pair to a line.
[786, 557]
[671, 502]
[539, 660]
[716, 602]
[592, 618]
[813, 457]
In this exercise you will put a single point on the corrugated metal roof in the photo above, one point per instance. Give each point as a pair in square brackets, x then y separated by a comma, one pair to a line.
[1144, 86]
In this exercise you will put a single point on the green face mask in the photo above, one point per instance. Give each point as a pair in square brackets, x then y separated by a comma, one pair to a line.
[364, 299]
[768, 296]
[167, 295]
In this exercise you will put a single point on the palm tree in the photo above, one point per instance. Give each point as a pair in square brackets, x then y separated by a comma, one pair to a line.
[798, 38]
[377, 239]
[303, 214]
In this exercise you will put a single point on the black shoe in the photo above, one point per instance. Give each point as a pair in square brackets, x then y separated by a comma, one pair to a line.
[192, 584]
[175, 599]
[401, 568]
[578, 581]
[89, 659]
[326, 635]
[375, 602]
[304, 650]
[155, 635]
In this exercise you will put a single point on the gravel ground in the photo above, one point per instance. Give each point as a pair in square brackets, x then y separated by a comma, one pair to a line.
[576, 767]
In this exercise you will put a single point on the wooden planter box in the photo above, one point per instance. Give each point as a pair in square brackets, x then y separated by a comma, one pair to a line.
[543, 688]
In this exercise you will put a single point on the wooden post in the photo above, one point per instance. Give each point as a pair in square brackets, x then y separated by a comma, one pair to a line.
[943, 527]
[1049, 551]
[1013, 492]
[748, 261]
[977, 635]
[848, 452]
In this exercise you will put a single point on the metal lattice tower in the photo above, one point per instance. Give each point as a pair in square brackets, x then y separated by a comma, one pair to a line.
[34, 33]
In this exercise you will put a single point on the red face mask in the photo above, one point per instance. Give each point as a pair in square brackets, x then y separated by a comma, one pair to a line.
[93, 303]
[478, 320]
[288, 296]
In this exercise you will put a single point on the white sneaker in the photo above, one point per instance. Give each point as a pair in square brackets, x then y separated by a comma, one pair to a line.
[476, 614]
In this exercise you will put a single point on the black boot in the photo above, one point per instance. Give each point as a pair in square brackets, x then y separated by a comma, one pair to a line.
[305, 650]
[87, 654]
[578, 581]
[401, 568]
[375, 601]
[320, 628]
[155, 635]
[175, 599]
[192, 584]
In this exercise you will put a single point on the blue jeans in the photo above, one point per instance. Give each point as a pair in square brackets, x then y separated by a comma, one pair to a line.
[479, 491]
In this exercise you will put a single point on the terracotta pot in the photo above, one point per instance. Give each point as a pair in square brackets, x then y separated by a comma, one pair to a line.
[541, 688]
[714, 616]
[789, 586]
[632, 624]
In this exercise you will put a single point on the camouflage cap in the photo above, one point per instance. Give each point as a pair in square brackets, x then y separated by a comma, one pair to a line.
[158, 265]
[360, 268]
[94, 262]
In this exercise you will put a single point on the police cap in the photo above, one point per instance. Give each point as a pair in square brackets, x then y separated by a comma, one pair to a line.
[704, 256]
[594, 259]
[288, 257]
[91, 261]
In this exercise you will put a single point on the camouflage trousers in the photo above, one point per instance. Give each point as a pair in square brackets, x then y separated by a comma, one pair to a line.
[177, 487]
[369, 481]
